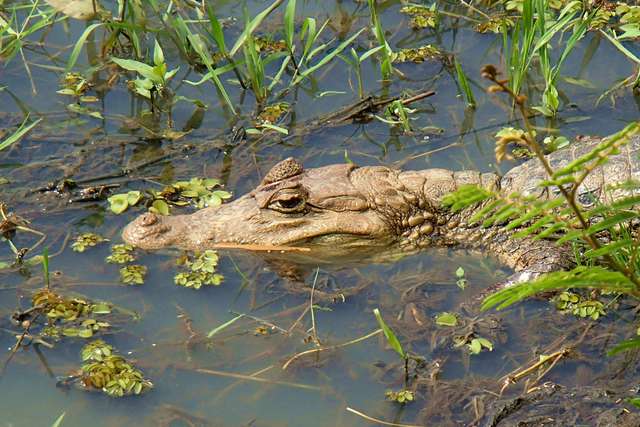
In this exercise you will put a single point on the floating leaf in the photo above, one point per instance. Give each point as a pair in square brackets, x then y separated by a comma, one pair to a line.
[121, 254]
[160, 207]
[118, 203]
[133, 274]
[475, 347]
[86, 240]
[446, 319]
[402, 396]
[105, 370]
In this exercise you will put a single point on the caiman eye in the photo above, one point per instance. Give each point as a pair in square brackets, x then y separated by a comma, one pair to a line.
[288, 204]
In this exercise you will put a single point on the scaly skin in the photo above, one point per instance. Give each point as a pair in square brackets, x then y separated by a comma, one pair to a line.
[340, 209]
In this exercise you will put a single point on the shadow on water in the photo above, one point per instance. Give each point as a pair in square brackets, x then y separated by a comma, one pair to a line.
[236, 376]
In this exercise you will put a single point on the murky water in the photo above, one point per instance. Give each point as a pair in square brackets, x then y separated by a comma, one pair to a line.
[200, 381]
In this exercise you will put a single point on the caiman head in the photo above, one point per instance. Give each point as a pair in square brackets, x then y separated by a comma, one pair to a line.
[337, 206]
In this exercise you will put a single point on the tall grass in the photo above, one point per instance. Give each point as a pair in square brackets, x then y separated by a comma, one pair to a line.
[531, 38]
[386, 67]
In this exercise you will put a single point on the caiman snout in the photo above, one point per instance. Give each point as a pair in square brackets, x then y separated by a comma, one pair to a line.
[152, 231]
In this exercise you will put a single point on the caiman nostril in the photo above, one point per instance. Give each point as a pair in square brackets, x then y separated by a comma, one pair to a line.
[148, 219]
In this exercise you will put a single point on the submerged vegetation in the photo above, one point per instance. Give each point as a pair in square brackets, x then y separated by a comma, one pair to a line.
[134, 106]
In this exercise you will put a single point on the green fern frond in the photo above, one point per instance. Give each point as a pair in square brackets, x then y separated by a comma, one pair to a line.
[465, 196]
[612, 221]
[579, 277]
[612, 248]
[600, 154]
[621, 204]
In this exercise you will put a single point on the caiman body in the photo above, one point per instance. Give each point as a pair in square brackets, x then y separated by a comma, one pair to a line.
[342, 208]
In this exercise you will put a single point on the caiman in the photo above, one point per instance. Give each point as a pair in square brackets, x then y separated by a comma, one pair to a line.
[343, 208]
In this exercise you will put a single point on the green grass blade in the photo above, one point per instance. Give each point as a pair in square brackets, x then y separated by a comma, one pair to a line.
[216, 30]
[630, 344]
[464, 84]
[253, 25]
[289, 20]
[45, 266]
[278, 76]
[77, 48]
[58, 421]
[626, 52]
[388, 333]
[200, 48]
[385, 64]
[327, 58]
[18, 134]
[224, 325]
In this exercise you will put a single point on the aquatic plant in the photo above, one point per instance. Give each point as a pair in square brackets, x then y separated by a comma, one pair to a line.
[201, 270]
[121, 253]
[416, 54]
[86, 240]
[463, 82]
[70, 316]
[531, 37]
[397, 113]
[386, 67]
[446, 319]
[133, 274]
[402, 396]
[461, 280]
[155, 78]
[422, 16]
[105, 370]
[22, 130]
[570, 302]
[118, 203]
[474, 344]
[356, 63]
